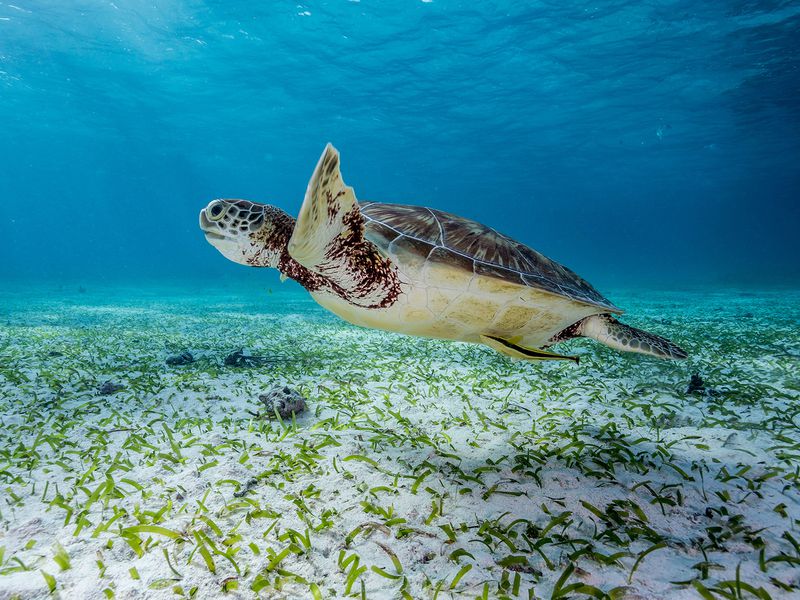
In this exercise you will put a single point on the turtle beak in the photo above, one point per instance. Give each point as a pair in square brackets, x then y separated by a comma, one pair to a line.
[209, 227]
[219, 238]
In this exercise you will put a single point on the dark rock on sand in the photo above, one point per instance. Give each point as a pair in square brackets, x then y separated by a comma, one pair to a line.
[236, 359]
[284, 400]
[240, 359]
[245, 488]
[730, 440]
[696, 385]
[184, 358]
[108, 387]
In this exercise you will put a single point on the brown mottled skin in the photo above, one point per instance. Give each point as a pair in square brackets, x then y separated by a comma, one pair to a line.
[329, 239]
[269, 230]
[566, 334]
[276, 241]
[370, 269]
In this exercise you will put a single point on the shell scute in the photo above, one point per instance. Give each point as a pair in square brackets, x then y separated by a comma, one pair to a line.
[472, 311]
[443, 269]
[513, 318]
[464, 245]
[438, 301]
[382, 235]
[410, 252]
[487, 270]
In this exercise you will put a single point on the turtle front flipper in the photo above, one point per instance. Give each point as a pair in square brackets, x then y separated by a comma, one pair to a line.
[509, 348]
[328, 239]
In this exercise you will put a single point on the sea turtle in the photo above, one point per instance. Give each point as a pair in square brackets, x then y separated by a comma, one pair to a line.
[421, 271]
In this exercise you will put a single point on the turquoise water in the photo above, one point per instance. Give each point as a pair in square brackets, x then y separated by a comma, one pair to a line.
[650, 147]
[633, 142]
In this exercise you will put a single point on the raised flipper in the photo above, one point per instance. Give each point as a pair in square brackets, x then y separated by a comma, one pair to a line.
[328, 239]
[509, 348]
[607, 330]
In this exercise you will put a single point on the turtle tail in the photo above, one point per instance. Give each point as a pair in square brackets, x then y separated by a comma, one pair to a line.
[607, 330]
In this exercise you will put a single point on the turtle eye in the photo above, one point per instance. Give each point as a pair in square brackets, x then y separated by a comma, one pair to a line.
[215, 210]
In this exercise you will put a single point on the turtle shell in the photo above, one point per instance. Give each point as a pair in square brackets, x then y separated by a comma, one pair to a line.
[467, 244]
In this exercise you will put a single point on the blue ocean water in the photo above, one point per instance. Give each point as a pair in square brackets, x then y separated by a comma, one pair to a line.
[638, 143]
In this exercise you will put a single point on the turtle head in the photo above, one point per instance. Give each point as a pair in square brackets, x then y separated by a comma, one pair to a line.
[247, 232]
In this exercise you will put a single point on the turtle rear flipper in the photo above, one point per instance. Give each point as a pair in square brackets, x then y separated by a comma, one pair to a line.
[328, 239]
[607, 330]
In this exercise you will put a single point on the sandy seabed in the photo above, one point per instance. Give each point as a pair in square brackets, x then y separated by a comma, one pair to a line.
[421, 469]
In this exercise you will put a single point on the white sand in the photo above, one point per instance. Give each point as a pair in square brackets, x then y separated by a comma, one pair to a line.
[438, 455]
